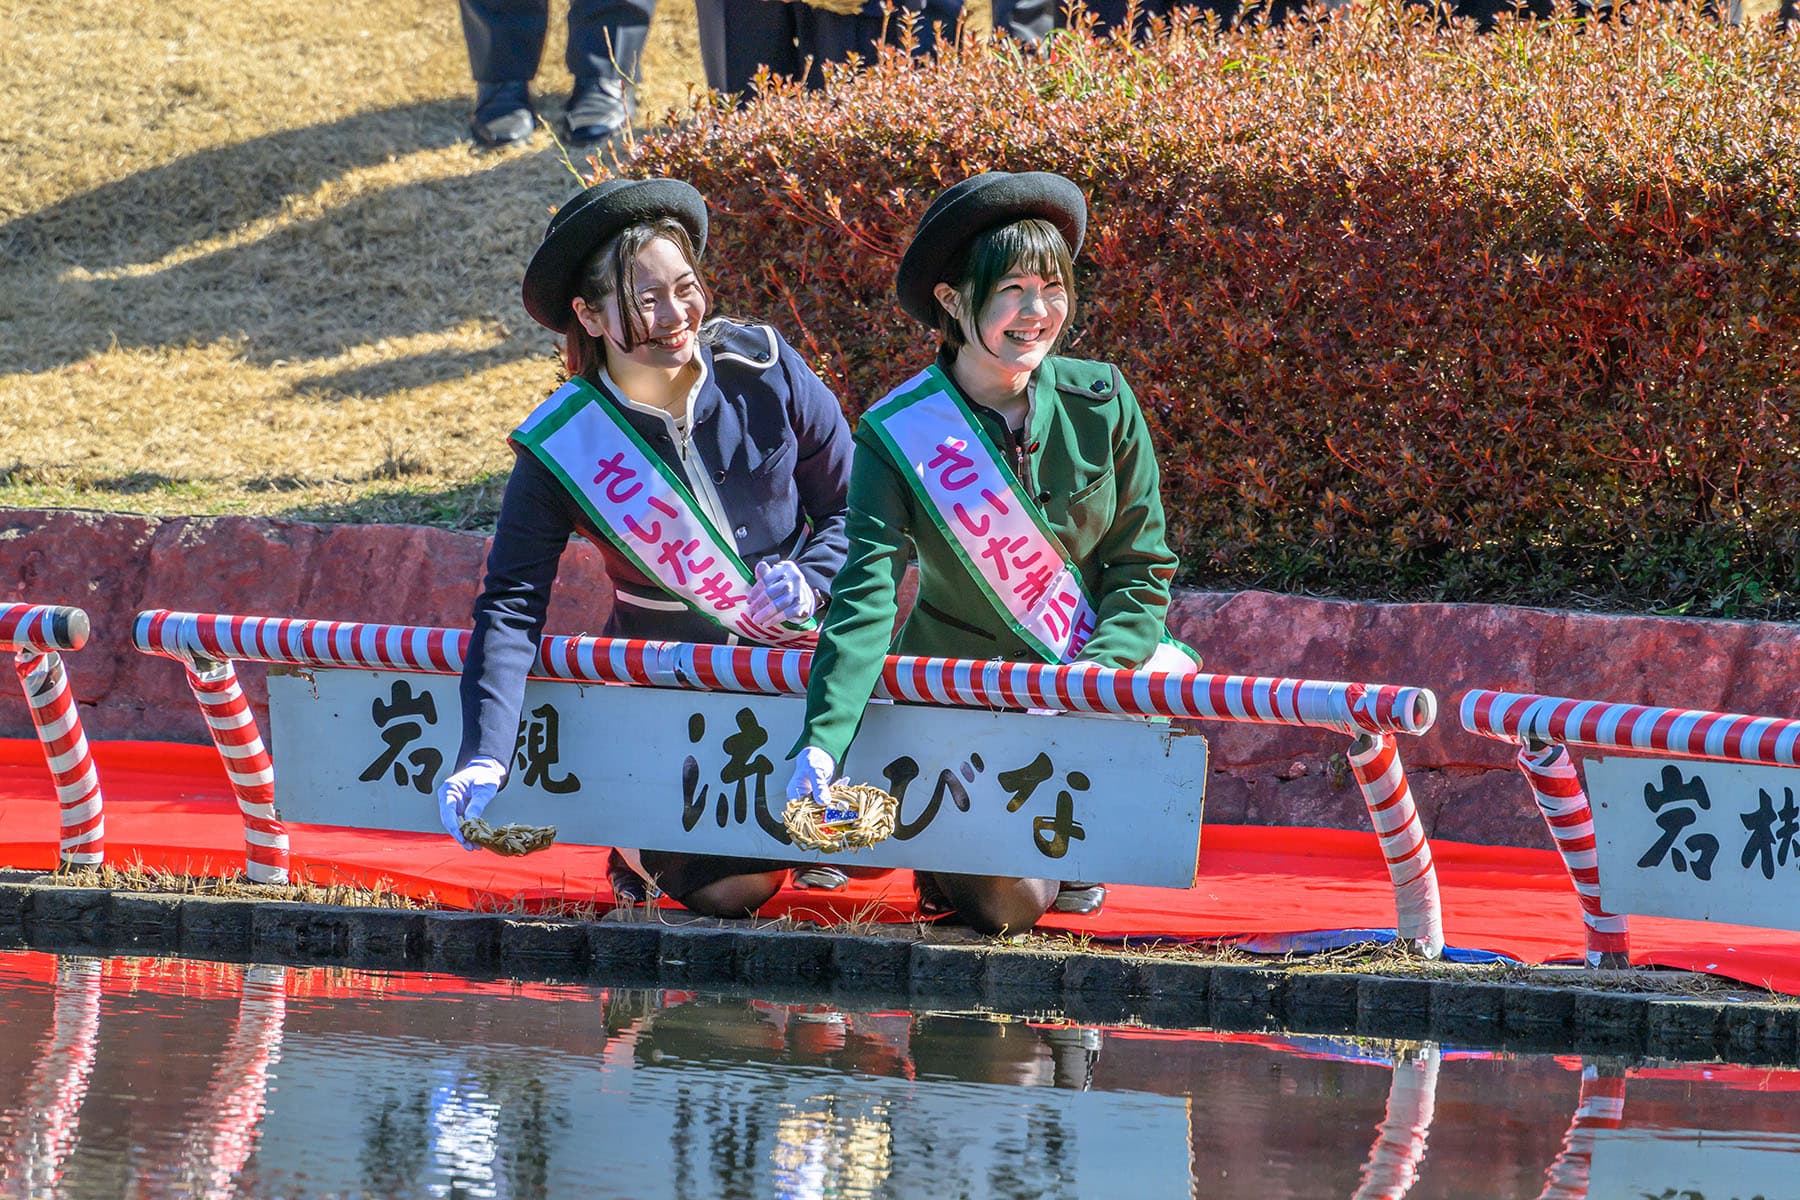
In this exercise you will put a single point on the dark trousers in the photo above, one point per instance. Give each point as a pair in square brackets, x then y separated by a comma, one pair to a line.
[797, 41]
[1028, 21]
[506, 37]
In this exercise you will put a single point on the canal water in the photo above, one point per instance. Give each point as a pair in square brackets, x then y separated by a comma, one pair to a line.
[128, 1077]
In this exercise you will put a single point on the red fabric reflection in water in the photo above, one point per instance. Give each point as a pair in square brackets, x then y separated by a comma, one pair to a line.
[169, 806]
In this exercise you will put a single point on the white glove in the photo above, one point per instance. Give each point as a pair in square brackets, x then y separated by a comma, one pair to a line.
[780, 593]
[464, 795]
[812, 774]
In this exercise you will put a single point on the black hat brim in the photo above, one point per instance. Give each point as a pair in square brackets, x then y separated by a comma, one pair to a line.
[586, 223]
[939, 247]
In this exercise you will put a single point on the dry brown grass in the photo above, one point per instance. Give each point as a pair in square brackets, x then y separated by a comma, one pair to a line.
[136, 877]
[249, 262]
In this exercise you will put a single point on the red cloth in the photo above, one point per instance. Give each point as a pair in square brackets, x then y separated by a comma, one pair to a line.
[169, 806]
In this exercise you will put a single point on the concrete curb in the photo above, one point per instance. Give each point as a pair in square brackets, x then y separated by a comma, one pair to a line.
[1158, 990]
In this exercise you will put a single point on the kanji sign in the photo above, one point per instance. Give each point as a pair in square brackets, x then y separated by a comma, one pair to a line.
[1707, 841]
[1064, 797]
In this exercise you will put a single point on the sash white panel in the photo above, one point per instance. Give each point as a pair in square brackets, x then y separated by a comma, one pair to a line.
[919, 429]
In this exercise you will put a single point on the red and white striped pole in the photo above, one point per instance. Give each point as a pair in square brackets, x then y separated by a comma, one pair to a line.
[66, 753]
[50, 1113]
[1604, 725]
[1393, 1165]
[1545, 726]
[1601, 1106]
[1550, 773]
[1351, 708]
[225, 1136]
[247, 764]
[1371, 712]
[1375, 763]
[35, 633]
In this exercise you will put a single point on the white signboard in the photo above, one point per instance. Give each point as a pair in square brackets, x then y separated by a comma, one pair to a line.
[1702, 840]
[1696, 1164]
[1061, 797]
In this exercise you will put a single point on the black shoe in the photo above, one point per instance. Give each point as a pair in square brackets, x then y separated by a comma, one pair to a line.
[1082, 899]
[932, 901]
[628, 886]
[503, 114]
[597, 109]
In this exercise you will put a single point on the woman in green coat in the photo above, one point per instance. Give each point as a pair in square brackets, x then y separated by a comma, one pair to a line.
[1025, 484]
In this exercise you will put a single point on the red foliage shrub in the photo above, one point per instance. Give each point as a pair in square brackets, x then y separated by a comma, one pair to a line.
[1412, 312]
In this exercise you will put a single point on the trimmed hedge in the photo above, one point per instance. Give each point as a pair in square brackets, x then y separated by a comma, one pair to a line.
[1413, 312]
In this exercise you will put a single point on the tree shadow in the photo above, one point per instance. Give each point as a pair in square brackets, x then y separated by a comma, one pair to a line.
[127, 264]
[469, 506]
[411, 371]
[144, 216]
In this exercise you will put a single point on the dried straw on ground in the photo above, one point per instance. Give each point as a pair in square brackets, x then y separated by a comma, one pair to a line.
[249, 260]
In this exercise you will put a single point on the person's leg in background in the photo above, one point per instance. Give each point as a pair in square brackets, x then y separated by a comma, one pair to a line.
[505, 40]
[828, 37]
[1109, 15]
[606, 50]
[1027, 21]
[737, 37]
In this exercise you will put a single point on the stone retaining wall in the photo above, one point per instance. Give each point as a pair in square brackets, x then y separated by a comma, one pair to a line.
[1554, 1009]
[113, 565]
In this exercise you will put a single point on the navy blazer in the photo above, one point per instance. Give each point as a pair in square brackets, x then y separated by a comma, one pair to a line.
[772, 438]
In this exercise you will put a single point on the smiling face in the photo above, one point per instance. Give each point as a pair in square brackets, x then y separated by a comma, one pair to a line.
[1009, 309]
[658, 324]
[1022, 321]
[643, 300]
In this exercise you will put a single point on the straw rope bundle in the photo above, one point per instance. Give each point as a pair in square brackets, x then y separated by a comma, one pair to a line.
[843, 8]
[510, 840]
[849, 818]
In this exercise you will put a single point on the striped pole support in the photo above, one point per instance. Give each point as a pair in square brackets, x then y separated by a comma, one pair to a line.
[42, 627]
[72, 769]
[1676, 732]
[1081, 687]
[1602, 1106]
[46, 1129]
[247, 764]
[1393, 1165]
[1375, 762]
[225, 1136]
[1550, 773]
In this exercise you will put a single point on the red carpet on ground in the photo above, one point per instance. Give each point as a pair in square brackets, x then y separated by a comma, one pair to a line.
[170, 808]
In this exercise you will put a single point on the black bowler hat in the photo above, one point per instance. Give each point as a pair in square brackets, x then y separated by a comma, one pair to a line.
[940, 246]
[585, 224]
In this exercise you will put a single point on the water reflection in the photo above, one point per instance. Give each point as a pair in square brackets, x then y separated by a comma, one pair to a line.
[163, 1078]
[41, 1129]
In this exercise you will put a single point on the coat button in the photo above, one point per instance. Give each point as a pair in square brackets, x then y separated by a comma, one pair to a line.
[1098, 386]
[719, 476]
[741, 531]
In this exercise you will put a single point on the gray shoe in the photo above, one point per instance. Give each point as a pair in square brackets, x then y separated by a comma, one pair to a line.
[820, 878]
[597, 109]
[503, 115]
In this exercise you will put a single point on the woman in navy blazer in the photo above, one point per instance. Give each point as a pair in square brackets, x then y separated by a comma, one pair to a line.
[756, 438]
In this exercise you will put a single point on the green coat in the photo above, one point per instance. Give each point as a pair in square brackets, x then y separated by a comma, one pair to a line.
[1095, 476]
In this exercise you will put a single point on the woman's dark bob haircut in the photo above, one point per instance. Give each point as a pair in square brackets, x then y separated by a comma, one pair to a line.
[1029, 247]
